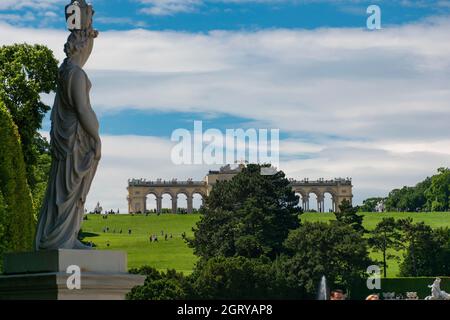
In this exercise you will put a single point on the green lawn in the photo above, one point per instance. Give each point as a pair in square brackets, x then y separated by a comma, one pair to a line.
[174, 253]
[434, 219]
[170, 254]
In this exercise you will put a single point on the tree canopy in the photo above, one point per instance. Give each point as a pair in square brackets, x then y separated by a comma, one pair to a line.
[27, 72]
[437, 193]
[332, 249]
[18, 219]
[427, 251]
[431, 194]
[249, 216]
[348, 215]
[384, 237]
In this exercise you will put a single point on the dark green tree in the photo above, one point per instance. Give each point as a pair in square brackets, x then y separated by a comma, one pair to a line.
[232, 278]
[41, 173]
[26, 72]
[411, 235]
[3, 224]
[249, 216]
[419, 195]
[384, 237]
[348, 215]
[413, 199]
[392, 200]
[169, 285]
[426, 250]
[18, 221]
[438, 192]
[441, 262]
[332, 249]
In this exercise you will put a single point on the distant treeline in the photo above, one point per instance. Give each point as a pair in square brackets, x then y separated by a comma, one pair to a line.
[431, 194]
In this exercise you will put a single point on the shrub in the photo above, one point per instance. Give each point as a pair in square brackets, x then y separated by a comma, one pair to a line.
[159, 285]
[232, 278]
[18, 221]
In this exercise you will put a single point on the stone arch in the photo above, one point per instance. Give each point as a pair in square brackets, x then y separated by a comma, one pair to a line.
[200, 192]
[138, 189]
[301, 199]
[151, 202]
[168, 203]
[328, 202]
[182, 202]
[315, 199]
[198, 199]
[183, 191]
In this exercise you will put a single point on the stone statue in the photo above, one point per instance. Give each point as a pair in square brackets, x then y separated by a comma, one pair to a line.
[436, 292]
[388, 295]
[75, 140]
[412, 296]
[98, 209]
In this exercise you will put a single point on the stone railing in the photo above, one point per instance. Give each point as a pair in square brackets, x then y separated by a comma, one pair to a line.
[154, 183]
[333, 182]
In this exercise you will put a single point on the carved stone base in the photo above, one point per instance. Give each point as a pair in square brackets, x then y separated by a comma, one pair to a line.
[42, 275]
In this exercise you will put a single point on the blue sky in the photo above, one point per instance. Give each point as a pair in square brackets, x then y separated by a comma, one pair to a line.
[371, 105]
[206, 15]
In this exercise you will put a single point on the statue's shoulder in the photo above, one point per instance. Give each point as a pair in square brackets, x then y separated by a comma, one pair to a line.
[78, 73]
[70, 71]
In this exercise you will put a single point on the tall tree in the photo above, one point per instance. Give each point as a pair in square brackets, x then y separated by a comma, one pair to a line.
[249, 216]
[3, 225]
[26, 72]
[232, 278]
[410, 237]
[348, 215]
[332, 249]
[18, 221]
[169, 285]
[385, 236]
[426, 250]
[438, 192]
[431, 194]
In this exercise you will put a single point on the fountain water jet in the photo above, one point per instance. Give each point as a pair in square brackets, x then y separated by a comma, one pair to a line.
[323, 290]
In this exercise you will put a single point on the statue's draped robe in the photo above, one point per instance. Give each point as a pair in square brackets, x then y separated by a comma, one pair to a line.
[72, 171]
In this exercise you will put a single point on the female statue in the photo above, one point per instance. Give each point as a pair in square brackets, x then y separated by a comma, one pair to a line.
[75, 147]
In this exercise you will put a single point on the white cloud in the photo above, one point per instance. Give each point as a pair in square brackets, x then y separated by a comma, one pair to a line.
[371, 105]
[22, 12]
[30, 4]
[169, 7]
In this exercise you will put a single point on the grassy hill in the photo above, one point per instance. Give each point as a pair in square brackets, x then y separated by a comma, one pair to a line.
[170, 254]
[173, 253]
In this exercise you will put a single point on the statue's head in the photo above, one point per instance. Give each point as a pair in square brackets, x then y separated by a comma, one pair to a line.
[79, 17]
[80, 43]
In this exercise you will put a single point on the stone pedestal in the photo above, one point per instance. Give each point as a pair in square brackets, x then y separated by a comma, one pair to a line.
[43, 275]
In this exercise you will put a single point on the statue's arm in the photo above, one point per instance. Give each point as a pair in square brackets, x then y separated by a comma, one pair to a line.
[86, 115]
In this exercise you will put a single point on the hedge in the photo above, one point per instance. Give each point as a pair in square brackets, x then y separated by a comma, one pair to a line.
[18, 220]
